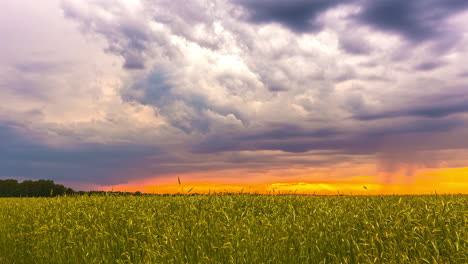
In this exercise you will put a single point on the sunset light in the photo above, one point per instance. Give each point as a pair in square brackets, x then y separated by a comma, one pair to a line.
[262, 96]
[432, 182]
[233, 131]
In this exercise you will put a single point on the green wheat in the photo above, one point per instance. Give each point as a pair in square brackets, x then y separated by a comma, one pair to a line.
[234, 229]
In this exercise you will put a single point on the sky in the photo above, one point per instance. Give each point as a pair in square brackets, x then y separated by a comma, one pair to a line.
[320, 95]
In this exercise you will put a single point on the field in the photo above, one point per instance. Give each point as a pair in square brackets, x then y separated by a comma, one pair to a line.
[235, 229]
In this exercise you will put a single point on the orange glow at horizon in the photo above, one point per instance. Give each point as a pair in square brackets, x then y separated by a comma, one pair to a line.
[433, 181]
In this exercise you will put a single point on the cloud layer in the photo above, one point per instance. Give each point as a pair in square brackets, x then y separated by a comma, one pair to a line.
[125, 90]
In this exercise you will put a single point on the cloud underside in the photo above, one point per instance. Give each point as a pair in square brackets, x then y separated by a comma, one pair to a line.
[222, 85]
[415, 20]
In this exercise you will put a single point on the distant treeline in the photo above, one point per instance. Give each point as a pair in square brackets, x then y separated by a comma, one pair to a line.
[40, 188]
[45, 188]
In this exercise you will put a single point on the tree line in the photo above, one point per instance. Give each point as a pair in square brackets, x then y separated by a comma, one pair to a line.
[47, 188]
[39, 188]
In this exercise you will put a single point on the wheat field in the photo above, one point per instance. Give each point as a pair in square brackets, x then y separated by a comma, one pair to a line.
[234, 228]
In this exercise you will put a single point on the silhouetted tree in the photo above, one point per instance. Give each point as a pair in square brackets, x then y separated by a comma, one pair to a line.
[40, 188]
[47, 188]
[9, 188]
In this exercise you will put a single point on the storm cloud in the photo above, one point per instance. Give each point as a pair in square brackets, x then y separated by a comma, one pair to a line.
[299, 15]
[144, 89]
[417, 21]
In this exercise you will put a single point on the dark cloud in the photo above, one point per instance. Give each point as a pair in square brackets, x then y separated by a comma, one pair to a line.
[418, 126]
[429, 65]
[26, 87]
[126, 38]
[22, 155]
[435, 110]
[399, 16]
[463, 74]
[277, 88]
[222, 96]
[216, 144]
[302, 146]
[154, 89]
[38, 66]
[285, 132]
[298, 15]
[355, 45]
[183, 112]
[416, 20]
[293, 139]
[134, 63]
[186, 112]
[284, 137]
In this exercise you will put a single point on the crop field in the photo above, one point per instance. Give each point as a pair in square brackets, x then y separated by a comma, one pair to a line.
[235, 229]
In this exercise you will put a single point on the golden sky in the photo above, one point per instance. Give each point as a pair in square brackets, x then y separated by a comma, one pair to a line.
[432, 181]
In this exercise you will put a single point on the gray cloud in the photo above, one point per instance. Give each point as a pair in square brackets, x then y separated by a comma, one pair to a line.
[285, 131]
[24, 155]
[205, 86]
[429, 65]
[354, 44]
[292, 76]
[293, 139]
[417, 20]
[430, 110]
[298, 15]
[39, 66]
[126, 36]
